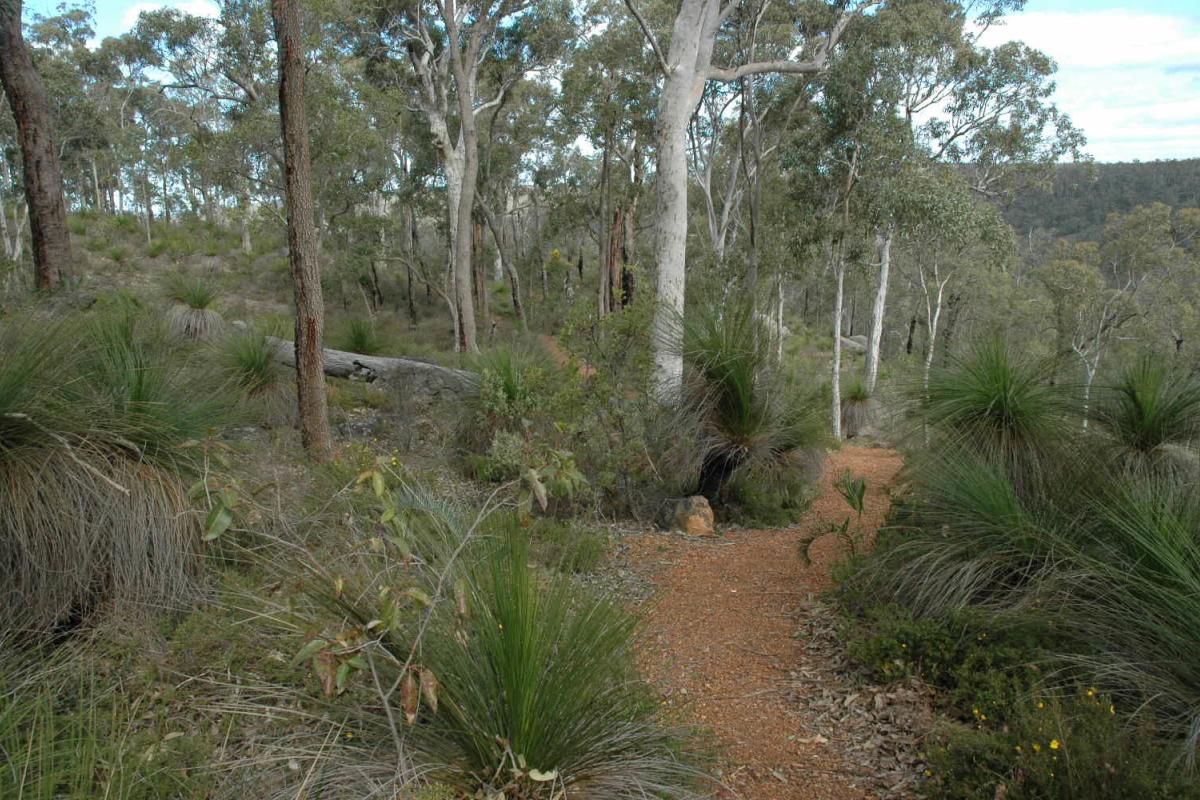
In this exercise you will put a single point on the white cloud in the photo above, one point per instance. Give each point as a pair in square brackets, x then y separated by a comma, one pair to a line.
[1130, 80]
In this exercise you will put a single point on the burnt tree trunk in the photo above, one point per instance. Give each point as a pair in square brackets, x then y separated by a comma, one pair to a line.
[43, 173]
[302, 233]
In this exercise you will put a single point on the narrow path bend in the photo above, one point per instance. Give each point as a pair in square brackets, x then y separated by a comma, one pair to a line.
[721, 644]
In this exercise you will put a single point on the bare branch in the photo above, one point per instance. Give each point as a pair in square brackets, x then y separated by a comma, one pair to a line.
[658, 53]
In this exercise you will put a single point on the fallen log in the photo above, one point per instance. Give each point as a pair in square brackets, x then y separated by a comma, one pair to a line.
[413, 375]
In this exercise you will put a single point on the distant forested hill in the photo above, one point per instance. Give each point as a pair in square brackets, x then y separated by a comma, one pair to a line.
[1084, 195]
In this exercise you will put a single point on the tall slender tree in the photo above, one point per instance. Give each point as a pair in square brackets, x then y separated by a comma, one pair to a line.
[302, 233]
[39, 155]
[687, 67]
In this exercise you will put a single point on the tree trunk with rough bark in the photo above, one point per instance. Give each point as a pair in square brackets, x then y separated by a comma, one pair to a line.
[39, 155]
[302, 234]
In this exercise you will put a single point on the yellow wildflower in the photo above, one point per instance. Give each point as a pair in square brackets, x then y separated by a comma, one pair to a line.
[1040, 705]
[1054, 744]
[1037, 748]
[1091, 692]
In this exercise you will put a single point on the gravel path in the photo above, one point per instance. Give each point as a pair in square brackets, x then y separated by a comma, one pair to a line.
[721, 643]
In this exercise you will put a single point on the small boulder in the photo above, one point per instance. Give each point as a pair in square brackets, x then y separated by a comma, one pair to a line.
[693, 516]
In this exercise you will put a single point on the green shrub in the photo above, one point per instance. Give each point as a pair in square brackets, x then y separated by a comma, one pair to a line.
[1072, 748]
[360, 336]
[511, 680]
[250, 361]
[736, 405]
[1000, 406]
[1150, 410]
[77, 226]
[856, 391]
[95, 506]
[773, 500]
[119, 253]
[542, 696]
[192, 314]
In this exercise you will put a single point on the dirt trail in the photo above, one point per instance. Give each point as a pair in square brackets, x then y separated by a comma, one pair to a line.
[721, 641]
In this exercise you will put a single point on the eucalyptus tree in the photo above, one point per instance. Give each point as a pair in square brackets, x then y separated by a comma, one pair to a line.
[687, 66]
[39, 152]
[465, 56]
[303, 247]
[986, 110]
[605, 98]
[220, 70]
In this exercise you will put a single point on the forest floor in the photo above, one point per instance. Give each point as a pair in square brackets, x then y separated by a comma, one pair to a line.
[738, 642]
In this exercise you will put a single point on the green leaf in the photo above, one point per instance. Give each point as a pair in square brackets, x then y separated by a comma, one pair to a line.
[420, 596]
[310, 649]
[343, 674]
[218, 521]
[542, 777]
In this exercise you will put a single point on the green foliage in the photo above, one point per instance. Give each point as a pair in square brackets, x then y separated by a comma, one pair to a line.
[770, 501]
[192, 314]
[95, 508]
[250, 361]
[69, 734]
[1150, 409]
[193, 291]
[746, 418]
[856, 391]
[1000, 406]
[505, 679]
[541, 696]
[1071, 747]
[119, 253]
[360, 335]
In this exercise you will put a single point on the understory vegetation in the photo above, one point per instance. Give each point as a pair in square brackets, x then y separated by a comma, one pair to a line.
[1042, 571]
[369, 372]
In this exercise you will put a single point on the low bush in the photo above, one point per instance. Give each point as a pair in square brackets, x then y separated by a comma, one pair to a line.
[453, 651]
[1071, 747]
[67, 733]
[746, 418]
[193, 313]
[250, 361]
[1151, 412]
[359, 335]
[93, 471]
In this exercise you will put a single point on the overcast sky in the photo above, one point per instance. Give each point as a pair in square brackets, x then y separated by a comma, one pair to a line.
[1129, 73]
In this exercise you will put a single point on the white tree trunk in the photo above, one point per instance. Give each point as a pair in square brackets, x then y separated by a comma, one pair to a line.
[933, 313]
[687, 64]
[838, 302]
[1090, 368]
[876, 338]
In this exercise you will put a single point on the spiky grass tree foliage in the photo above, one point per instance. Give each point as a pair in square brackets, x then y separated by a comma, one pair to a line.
[969, 540]
[360, 336]
[95, 510]
[737, 413]
[1106, 556]
[192, 313]
[1152, 413]
[1130, 598]
[1001, 406]
[249, 361]
[455, 653]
